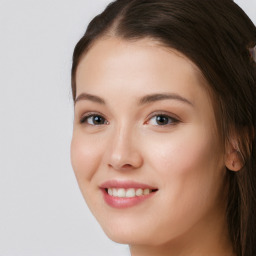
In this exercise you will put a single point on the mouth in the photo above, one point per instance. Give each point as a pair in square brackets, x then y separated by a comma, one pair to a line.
[129, 193]
[122, 194]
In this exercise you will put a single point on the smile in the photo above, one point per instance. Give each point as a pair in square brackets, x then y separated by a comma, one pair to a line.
[123, 194]
[128, 193]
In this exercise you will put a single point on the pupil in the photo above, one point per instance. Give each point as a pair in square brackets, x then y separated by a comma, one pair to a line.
[162, 120]
[98, 120]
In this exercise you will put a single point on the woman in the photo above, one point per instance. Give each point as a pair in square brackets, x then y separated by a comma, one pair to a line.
[163, 145]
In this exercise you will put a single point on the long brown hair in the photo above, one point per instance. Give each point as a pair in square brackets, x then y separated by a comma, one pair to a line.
[216, 35]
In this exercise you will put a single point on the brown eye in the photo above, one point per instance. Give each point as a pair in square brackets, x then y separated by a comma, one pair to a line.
[94, 120]
[162, 120]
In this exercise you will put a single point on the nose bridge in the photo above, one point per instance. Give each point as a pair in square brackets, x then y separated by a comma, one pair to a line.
[123, 136]
[124, 151]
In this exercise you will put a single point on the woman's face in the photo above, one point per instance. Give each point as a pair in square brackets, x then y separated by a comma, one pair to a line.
[145, 149]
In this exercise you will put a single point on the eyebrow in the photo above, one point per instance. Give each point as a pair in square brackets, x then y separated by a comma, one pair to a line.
[86, 96]
[144, 100]
[163, 96]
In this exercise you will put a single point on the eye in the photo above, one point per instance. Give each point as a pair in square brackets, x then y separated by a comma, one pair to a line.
[93, 119]
[162, 120]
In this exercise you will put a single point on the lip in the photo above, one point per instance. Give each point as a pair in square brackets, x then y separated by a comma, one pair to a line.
[125, 184]
[123, 202]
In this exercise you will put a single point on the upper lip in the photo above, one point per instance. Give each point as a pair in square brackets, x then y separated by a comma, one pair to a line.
[125, 184]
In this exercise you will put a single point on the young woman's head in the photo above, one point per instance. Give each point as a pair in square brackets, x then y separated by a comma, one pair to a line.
[164, 132]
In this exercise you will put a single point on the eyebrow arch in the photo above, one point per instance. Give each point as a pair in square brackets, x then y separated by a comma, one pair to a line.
[162, 96]
[86, 96]
[144, 100]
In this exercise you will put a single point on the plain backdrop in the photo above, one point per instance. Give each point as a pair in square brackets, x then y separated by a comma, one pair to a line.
[42, 212]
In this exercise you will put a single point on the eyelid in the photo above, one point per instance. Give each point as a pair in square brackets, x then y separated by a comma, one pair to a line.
[172, 116]
[86, 115]
[175, 118]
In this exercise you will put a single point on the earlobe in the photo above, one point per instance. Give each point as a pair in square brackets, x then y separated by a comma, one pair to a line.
[233, 158]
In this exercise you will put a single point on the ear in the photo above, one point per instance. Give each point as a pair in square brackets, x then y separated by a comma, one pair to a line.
[233, 157]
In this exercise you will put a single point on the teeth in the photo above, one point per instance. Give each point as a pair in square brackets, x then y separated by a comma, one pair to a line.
[110, 191]
[115, 192]
[131, 192]
[146, 191]
[121, 192]
[139, 192]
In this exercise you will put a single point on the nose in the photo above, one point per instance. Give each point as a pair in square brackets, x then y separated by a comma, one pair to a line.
[124, 151]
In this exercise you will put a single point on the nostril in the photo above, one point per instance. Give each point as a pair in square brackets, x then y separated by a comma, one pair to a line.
[127, 166]
[124, 160]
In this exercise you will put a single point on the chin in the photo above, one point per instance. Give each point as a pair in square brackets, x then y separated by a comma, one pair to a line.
[134, 235]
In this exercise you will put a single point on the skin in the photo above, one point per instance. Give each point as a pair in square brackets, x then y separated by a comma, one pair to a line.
[184, 159]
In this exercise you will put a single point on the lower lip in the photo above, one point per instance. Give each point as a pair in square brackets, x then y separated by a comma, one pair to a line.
[124, 202]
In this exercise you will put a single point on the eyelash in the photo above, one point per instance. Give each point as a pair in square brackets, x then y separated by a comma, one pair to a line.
[85, 118]
[171, 120]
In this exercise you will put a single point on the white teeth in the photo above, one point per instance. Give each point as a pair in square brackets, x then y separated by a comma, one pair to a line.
[114, 191]
[131, 192]
[146, 191]
[110, 191]
[139, 192]
[121, 192]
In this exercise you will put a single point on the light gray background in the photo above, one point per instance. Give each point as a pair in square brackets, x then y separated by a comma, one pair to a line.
[41, 210]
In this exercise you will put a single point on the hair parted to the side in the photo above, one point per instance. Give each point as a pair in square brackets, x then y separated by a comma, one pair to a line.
[216, 35]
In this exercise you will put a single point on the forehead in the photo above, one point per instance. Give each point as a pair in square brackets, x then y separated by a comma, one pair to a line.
[135, 64]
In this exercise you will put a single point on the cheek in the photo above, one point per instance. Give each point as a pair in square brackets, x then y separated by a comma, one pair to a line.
[184, 152]
[85, 157]
[190, 168]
